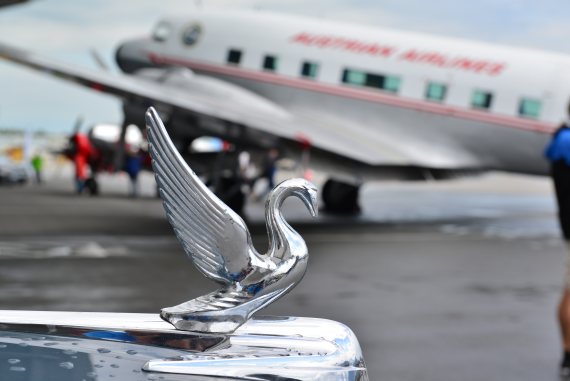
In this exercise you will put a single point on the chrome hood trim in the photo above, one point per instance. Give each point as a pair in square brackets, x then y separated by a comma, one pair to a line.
[263, 348]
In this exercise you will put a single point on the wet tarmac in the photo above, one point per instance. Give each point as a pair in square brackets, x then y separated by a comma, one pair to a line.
[447, 281]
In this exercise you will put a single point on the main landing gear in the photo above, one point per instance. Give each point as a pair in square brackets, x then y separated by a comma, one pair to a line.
[340, 197]
[229, 190]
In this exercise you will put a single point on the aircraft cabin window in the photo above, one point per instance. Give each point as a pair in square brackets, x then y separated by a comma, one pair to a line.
[234, 56]
[162, 31]
[377, 81]
[354, 77]
[481, 99]
[436, 91]
[310, 69]
[530, 108]
[392, 83]
[270, 63]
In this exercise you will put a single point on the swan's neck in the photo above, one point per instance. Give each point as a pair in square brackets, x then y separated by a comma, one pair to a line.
[280, 233]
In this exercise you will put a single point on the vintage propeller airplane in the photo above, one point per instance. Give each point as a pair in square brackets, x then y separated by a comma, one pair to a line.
[369, 103]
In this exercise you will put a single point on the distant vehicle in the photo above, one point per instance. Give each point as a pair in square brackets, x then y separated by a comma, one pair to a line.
[368, 103]
[12, 172]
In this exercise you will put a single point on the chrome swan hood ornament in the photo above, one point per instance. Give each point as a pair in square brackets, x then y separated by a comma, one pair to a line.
[209, 337]
[219, 243]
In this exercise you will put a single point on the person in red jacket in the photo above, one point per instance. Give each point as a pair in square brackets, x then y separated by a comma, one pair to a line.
[80, 154]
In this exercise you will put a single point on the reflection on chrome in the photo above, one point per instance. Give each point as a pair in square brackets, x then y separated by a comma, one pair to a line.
[218, 242]
[49, 357]
[288, 348]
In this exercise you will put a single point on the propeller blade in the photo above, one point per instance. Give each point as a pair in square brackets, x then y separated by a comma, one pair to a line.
[78, 123]
[99, 59]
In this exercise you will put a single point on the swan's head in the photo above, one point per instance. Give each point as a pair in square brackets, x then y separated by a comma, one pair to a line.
[301, 188]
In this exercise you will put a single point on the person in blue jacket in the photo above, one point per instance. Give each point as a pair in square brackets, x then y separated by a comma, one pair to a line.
[558, 153]
[133, 165]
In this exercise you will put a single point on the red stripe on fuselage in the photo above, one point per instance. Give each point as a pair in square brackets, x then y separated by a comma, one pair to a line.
[357, 93]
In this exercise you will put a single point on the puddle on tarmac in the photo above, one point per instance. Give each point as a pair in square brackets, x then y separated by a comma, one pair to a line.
[82, 247]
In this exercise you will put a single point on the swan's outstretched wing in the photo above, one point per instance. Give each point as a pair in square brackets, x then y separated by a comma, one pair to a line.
[212, 234]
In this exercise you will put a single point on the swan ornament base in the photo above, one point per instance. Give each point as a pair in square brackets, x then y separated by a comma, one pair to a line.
[219, 243]
[222, 311]
[277, 348]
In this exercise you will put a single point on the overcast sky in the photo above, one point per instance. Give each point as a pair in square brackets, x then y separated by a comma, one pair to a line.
[66, 30]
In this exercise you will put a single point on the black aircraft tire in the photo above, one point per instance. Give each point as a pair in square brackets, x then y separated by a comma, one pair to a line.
[229, 191]
[340, 198]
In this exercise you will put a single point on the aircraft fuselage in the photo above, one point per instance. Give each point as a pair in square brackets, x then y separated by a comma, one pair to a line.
[490, 107]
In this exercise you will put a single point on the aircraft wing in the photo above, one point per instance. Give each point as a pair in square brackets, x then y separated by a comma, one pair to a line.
[5, 3]
[336, 141]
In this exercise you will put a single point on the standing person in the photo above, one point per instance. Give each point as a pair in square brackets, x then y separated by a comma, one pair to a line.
[79, 152]
[38, 165]
[558, 153]
[246, 171]
[133, 164]
[267, 172]
[269, 167]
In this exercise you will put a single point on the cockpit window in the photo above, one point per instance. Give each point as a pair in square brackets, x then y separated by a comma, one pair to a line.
[162, 31]
[191, 34]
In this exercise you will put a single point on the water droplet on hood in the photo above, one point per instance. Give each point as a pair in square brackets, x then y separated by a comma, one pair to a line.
[66, 365]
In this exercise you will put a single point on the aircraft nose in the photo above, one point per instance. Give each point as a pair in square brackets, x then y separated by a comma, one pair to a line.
[130, 56]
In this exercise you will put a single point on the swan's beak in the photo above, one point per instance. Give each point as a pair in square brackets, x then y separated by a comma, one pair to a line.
[306, 191]
[313, 205]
